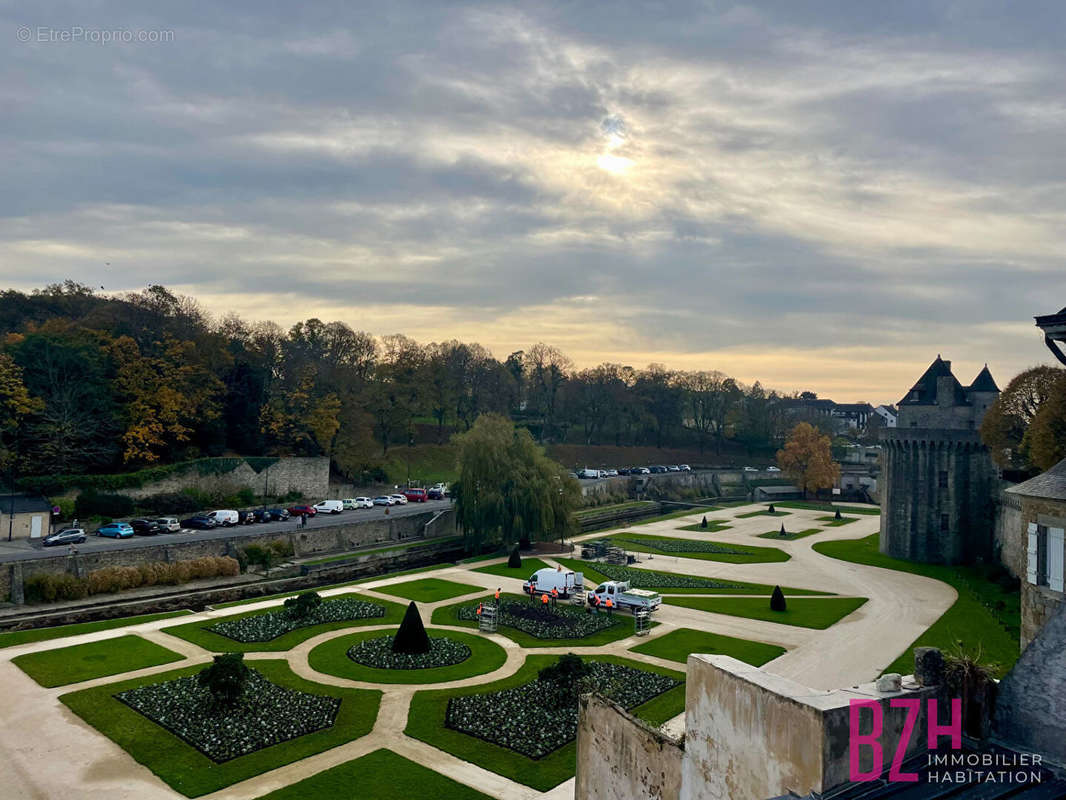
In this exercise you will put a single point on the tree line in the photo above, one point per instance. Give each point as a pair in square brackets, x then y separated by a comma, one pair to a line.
[102, 383]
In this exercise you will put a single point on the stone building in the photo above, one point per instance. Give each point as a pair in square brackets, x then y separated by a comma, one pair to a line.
[938, 482]
[24, 516]
[1043, 521]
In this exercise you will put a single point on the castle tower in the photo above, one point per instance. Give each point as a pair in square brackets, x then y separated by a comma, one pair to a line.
[938, 478]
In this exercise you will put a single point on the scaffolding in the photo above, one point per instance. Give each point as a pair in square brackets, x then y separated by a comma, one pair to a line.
[641, 622]
[577, 597]
[616, 555]
[487, 621]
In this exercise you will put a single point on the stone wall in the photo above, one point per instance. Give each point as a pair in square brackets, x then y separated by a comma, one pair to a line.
[1039, 603]
[1030, 713]
[713, 483]
[618, 756]
[1009, 533]
[306, 542]
[308, 476]
[751, 735]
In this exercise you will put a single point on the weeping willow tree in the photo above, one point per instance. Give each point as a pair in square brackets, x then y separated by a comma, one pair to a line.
[508, 489]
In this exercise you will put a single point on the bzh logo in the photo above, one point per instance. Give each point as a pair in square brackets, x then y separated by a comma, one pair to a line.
[873, 739]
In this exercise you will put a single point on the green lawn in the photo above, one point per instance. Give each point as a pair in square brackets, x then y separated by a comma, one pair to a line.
[609, 509]
[380, 775]
[622, 627]
[644, 543]
[294, 592]
[762, 514]
[84, 662]
[676, 646]
[332, 658]
[529, 566]
[428, 590]
[594, 578]
[425, 721]
[833, 522]
[12, 638]
[712, 526]
[828, 507]
[976, 622]
[189, 771]
[789, 535]
[806, 612]
[197, 633]
[688, 512]
[386, 549]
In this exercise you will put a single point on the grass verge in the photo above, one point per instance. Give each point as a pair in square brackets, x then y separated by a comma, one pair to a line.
[688, 512]
[713, 525]
[425, 722]
[332, 658]
[751, 514]
[804, 612]
[984, 619]
[529, 566]
[12, 638]
[186, 769]
[380, 775]
[829, 507]
[197, 633]
[743, 554]
[428, 590]
[294, 592]
[676, 646]
[84, 662]
[789, 535]
[833, 522]
[387, 549]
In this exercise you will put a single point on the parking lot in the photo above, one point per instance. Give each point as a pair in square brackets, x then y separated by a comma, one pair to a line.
[29, 549]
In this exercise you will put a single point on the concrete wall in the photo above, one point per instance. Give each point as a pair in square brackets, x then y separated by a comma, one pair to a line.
[1030, 712]
[751, 735]
[621, 758]
[306, 542]
[308, 476]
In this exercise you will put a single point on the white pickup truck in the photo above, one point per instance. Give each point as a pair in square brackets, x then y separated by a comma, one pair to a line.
[624, 597]
[544, 580]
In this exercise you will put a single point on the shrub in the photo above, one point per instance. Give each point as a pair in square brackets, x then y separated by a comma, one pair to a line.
[515, 559]
[777, 600]
[47, 588]
[566, 679]
[91, 503]
[282, 548]
[411, 638]
[783, 532]
[771, 509]
[303, 605]
[259, 556]
[703, 522]
[171, 503]
[226, 678]
[245, 497]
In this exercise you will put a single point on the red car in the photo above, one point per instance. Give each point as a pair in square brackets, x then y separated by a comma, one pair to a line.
[297, 511]
[415, 495]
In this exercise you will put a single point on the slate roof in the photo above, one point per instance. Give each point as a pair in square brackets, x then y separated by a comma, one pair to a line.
[1050, 485]
[24, 503]
[926, 386]
[983, 382]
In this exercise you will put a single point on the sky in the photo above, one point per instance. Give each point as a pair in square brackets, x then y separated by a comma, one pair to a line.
[816, 195]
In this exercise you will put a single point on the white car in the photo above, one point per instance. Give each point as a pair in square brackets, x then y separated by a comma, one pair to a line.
[169, 524]
[383, 500]
[398, 499]
[329, 507]
[612, 473]
[357, 502]
[750, 469]
[773, 469]
[686, 468]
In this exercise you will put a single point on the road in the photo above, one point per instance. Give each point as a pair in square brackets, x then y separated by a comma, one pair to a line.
[28, 550]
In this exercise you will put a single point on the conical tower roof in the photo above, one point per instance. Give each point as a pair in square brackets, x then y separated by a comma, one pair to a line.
[984, 382]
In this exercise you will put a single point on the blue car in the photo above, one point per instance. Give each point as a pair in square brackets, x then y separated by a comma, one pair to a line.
[116, 530]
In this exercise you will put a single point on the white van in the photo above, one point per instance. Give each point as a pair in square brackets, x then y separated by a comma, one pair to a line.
[225, 518]
[329, 507]
[544, 580]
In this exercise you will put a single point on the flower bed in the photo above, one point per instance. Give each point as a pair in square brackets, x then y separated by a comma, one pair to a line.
[520, 720]
[266, 714]
[377, 653]
[264, 627]
[645, 579]
[682, 546]
[562, 622]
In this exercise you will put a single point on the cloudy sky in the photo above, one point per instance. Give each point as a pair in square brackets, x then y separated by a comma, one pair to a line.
[816, 195]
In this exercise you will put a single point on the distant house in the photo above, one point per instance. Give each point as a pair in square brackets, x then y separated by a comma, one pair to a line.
[888, 414]
[31, 515]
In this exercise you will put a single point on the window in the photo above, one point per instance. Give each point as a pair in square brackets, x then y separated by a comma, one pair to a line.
[942, 479]
[1045, 557]
[943, 522]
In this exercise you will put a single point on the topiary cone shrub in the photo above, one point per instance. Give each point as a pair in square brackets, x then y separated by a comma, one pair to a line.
[226, 678]
[777, 600]
[783, 531]
[837, 515]
[411, 638]
[703, 522]
[515, 559]
[771, 509]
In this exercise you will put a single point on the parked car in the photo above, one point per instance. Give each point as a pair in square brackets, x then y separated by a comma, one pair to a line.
[612, 473]
[398, 499]
[169, 524]
[415, 495]
[640, 471]
[588, 473]
[351, 503]
[279, 514]
[247, 517]
[623, 471]
[364, 502]
[383, 500]
[773, 469]
[444, 490]
[750, 469]
[673, 468]
[438, 494]
[329, 507]
[263, 515]
[200, 522]
[116, 530]
[227, 518]
[65, 536]
[145, 527]
[302, 511]
[657, 469]
[686, 468]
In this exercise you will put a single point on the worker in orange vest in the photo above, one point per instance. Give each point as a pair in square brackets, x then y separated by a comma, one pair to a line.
[595, 603]
[532, 591]
[544, 600]
[479, 605]
[497, 595]
[610, 605]
[555, 597]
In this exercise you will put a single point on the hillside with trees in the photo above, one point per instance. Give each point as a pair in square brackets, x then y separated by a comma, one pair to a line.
[93, 383]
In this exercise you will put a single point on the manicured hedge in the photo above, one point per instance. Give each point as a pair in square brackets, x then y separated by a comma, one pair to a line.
[378, 654]
[269, 626]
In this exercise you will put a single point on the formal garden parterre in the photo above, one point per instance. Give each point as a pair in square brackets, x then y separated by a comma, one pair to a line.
[269, 626]
[694, 548]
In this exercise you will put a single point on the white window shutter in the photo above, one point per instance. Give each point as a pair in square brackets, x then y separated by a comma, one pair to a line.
[1030, 570]
[1055, 558]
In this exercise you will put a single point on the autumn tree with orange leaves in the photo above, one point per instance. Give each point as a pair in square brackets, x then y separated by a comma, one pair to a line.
[808, 459]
